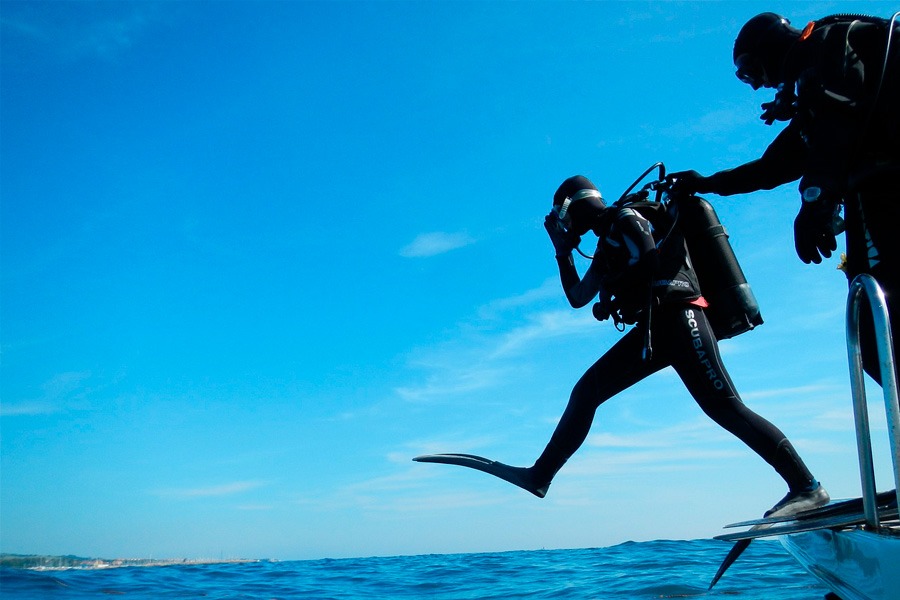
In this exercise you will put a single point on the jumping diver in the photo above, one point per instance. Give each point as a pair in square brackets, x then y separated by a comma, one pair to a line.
[639, 270]
[838, 86]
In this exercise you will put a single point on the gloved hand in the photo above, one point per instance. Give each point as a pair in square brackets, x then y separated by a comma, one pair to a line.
[817, 225]
[686, 183]
[782, 108]
[563, 242]
[603, 309]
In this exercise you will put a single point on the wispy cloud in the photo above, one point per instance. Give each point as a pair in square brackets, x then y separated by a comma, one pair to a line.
[547, 290]
[787, 392]
[24, 409]
[72, 31]
[482, 357]
[54, 394]
[666, 35]
[453, 380]
[434, 243]
[655, 461]
[711, 124]
[541, 326]
[226, 489]
[463, 443]
[609, 440]
[403, 492]
[481, 363]
[695, 431]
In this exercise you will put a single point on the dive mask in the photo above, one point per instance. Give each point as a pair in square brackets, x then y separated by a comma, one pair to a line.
[563, 211]
[751, 71]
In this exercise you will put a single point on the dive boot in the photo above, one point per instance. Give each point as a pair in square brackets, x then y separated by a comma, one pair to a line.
[796, 502]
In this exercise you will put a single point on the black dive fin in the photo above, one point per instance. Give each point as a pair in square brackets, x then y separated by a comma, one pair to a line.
[518, 476]
[732, 556]
[883, 501]
[734, 553]
[799, 526]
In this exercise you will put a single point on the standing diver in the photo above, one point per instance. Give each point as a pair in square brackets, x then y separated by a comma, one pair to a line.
[638, 269]
[838, 85]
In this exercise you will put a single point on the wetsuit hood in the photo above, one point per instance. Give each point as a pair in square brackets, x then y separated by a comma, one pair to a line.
[761, 47]
[578, 203]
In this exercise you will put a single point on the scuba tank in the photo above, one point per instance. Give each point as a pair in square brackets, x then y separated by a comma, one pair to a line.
[733, 308]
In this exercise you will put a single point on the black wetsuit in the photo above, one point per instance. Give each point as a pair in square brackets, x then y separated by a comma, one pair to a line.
[625, 263]
[844, 138]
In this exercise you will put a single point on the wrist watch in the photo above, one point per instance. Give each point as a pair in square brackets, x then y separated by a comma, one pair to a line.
[812, 193]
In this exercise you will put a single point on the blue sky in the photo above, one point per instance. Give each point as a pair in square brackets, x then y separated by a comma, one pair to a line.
[258, 255]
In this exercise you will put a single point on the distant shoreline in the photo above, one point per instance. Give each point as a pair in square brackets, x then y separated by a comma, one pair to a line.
[36, 562]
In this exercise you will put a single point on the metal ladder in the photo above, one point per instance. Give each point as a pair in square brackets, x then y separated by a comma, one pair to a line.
[865, 285]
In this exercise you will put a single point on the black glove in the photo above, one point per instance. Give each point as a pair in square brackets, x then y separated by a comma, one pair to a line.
[817, 225]
[782, 108]
[603, 309]
[563, 242]
[686, 183]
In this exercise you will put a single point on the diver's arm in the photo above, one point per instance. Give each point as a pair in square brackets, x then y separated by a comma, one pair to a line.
[782, 162]
[579, 291]
[632, 232]
[568, 274]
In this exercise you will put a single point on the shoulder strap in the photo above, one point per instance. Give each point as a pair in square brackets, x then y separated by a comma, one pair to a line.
[658, 214]
[848, 17]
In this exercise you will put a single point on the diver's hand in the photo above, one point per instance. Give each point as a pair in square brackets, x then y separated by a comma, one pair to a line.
[562, 241]
[817, 225]
[603, 309]
[781, 108]
[686, 183]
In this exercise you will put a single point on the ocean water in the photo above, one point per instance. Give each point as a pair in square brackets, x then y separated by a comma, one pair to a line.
[633, 570]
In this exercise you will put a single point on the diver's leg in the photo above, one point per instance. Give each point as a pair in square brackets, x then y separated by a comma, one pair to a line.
[699, 365]
[618, 369]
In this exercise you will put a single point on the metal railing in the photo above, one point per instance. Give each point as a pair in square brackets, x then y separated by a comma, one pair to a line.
[865, 285]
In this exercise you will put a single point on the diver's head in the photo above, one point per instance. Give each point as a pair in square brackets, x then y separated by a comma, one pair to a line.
[577, 204]
[760, 50]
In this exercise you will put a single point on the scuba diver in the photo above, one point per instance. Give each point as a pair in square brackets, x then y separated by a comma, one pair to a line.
[641, 272]
[837, 84]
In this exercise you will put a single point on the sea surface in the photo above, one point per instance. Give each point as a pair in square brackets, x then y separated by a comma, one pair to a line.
[633, 570]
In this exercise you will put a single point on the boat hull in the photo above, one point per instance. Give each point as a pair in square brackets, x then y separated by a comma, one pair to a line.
[856, 564]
